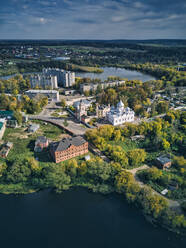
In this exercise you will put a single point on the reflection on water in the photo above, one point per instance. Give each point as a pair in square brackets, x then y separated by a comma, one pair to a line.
[120, 72]
[108, 71]
[78, 218]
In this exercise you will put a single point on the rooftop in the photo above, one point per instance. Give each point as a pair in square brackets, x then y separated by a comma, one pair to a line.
[41, 91]
[163, 159]
[41, 139]
[6, 113]
[67, 142]
[83, 101]
[1, 125]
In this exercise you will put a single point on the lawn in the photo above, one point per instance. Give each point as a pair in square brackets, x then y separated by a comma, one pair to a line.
[126, 145]
[49, 130]
[23, 142]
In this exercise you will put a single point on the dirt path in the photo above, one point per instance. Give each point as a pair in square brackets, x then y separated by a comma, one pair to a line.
[172, 204]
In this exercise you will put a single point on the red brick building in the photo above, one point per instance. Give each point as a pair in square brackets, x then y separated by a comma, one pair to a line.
[68, 148]
[41, 143]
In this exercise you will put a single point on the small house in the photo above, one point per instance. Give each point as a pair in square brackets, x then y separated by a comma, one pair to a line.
[163, 162]
[5, 149]
[137, 137]
[173, 185]
[33, 128]
[41, 143]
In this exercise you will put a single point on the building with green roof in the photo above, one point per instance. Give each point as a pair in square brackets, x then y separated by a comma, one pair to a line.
[6, 113]
[9, 116]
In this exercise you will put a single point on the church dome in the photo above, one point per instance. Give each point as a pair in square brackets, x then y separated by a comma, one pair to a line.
[120, 104]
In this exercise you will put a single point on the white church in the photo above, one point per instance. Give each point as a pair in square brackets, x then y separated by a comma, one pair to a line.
[119, 115]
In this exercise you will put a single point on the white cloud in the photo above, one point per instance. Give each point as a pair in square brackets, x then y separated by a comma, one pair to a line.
[118, 18]
[38, 20]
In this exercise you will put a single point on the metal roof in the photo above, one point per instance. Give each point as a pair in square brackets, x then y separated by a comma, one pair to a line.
[163, 160]
[41, 139]
[67, 142]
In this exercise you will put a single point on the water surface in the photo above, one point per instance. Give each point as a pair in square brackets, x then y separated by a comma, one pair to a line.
[108, 71]
[77, 219]
[120, 72]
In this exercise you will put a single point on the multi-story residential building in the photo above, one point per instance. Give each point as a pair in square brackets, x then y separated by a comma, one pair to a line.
[54, 72]
[64, 78]
[119, 115]
[68, 79]
[94, 86]
[68, 148]
[51, 94]
[43, 81]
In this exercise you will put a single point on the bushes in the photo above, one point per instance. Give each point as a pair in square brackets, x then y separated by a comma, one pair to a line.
[136, 157]
[183, 205]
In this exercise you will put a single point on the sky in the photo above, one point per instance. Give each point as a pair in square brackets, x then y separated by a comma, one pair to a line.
[93, 19]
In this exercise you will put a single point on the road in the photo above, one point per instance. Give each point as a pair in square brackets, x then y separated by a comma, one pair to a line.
[73, 127]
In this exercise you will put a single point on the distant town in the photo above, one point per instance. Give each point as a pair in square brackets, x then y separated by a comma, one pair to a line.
[58, 129]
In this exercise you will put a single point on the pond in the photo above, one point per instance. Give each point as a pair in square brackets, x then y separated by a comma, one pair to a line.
[78, 218]
[119, 72]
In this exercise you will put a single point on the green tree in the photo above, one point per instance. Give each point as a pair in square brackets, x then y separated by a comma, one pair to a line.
[136, 156]
[18, 172]
[123, 181]
[117, 135]
[162, 107]
[63, 103]
[165, 144]
[71, 167]
[154, 174]
[57, 178]
[3, 168]
[18, 117]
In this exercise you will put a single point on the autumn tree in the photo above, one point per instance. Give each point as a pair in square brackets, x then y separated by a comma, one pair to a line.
[136, 156]
[123, 181]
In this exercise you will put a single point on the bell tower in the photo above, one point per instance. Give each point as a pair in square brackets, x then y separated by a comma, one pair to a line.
[81, 110]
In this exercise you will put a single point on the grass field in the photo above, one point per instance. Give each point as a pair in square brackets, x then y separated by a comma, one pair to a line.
[126, 145]
[23, 143]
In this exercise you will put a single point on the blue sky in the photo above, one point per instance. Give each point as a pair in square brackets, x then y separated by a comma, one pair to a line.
[92, 19]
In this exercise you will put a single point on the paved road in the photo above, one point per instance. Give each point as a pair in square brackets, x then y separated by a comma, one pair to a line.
[73, 127]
